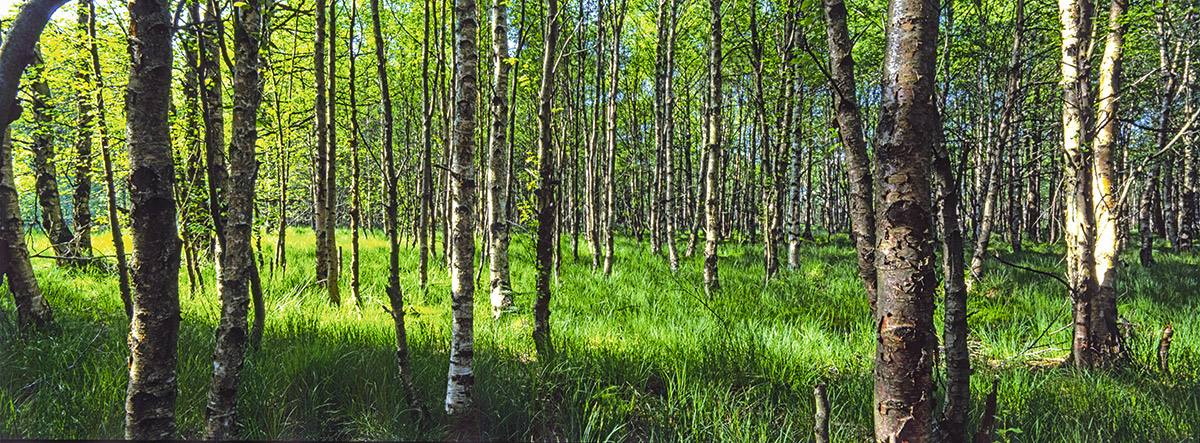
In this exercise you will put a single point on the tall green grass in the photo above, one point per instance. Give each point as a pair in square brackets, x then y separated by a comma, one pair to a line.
[643, 355]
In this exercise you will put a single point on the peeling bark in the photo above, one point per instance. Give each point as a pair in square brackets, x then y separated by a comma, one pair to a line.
[906, 342]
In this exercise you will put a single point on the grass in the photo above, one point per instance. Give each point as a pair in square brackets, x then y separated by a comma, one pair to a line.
[644, 355]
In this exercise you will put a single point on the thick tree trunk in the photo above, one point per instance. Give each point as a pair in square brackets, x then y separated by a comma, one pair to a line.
[237, 256]
[154, 331]
[1076, 18]
[712, 144]
[1105, 338]
[547, 182]
[459, 406]
[32, 308]
[908, 124]
[849, 125]
[497, 172]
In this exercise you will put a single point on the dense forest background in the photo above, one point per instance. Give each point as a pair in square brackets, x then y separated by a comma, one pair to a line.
[701, 193]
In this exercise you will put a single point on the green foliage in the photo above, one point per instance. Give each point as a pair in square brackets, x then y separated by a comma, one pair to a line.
[645, 355]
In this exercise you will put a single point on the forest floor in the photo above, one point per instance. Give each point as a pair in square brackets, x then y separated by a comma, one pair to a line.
[642, 354]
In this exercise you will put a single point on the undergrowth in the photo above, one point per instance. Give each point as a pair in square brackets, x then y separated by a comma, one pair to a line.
[643, 354]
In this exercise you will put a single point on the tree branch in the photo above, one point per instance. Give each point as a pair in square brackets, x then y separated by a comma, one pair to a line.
[17, 52]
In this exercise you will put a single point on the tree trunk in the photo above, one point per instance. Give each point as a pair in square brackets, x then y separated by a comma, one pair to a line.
[283, 157]
[995, 151]
[1076, 18]
[712, 144]
[330, 212]
[796, 166]
[55, 226]
[849, 125]
[906, 136]
[110, 187]
[497, 172]
[32, 309]
[1105, 338]
[391, 182]
[771, 204]
[669, 137]
[610, 215]
[546, 185]
[426, 212]
[237, 255]
[82, 197]
[154, 331]
[192, 193]
[594, 201]
[323, 256]
[958, 358]
[459, 407]
[1190, 222]
[214, 126]
[356, 170]
[664, 47]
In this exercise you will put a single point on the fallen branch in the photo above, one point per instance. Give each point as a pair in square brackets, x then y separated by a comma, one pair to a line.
[1036, 271]
[821, 417]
